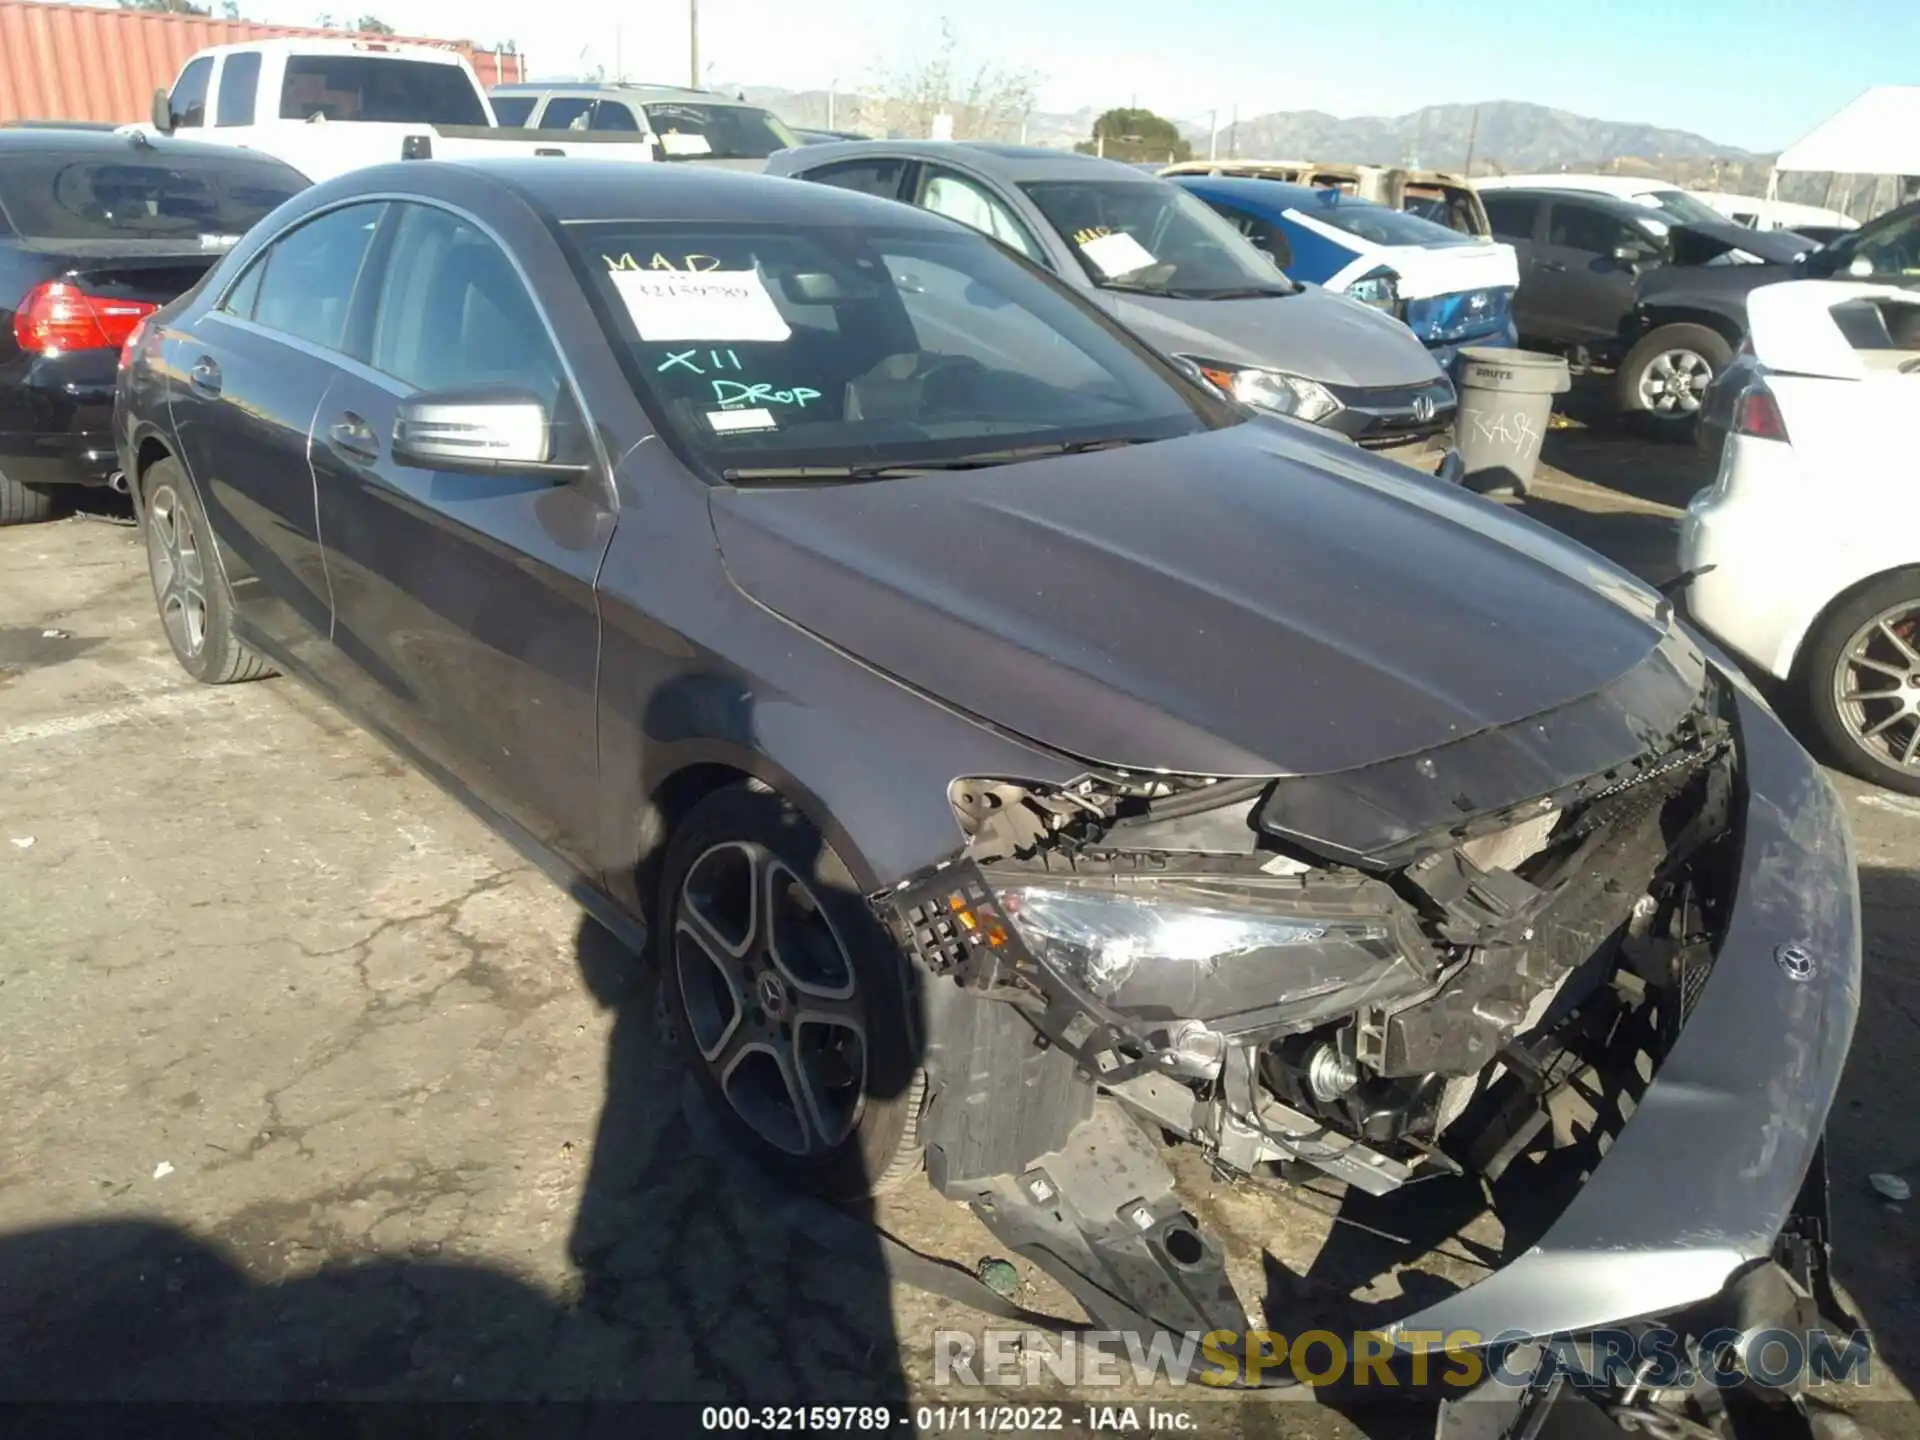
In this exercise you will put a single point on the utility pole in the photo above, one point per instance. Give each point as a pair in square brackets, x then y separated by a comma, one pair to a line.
[833, 88]
[693, 43]
[1233, 134]
[1213, 135]
[619, 70]
[1473, 135]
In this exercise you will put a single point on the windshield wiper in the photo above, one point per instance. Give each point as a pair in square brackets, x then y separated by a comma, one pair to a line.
[1242, 292]
[979, 461]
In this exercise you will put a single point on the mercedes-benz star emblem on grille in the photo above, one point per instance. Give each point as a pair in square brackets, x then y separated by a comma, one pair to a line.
[1797, 961]
[1423, 408]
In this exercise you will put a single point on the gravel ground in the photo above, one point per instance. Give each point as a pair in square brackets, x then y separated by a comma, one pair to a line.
[315, 1088]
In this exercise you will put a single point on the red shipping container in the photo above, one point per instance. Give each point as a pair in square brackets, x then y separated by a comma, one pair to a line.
[76, 62]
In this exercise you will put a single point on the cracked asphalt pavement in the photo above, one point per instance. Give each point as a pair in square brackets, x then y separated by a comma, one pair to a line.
[315, 1088]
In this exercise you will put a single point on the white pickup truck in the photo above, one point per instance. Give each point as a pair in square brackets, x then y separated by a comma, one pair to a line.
[329, 106]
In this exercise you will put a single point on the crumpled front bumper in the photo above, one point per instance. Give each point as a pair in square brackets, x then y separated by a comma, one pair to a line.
[1702, 1178]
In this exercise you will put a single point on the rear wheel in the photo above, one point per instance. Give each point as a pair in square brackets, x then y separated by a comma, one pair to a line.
[1862, 682]
[1665, 377]
[788, 997]
[196, 608]
[25, 504]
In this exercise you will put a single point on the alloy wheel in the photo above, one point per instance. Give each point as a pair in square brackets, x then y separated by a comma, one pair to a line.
[1675, 383]
[179, 573]
[1876, 687]
[772, 1000]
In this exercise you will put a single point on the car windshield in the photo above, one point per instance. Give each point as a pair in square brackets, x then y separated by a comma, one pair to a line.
[769, 348]
[1378, 223]
[1885, 250]
[1154, 238]
[204, 202]
[379, 88]
[718, 132]
[1679, 206]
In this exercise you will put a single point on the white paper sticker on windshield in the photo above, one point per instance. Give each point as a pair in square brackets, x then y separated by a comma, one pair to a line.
[675, 142]
[709, 305]
[1117, 254]
[218, 242]
[733, 422]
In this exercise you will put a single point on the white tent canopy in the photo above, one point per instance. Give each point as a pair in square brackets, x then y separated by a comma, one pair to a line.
[1877, 134]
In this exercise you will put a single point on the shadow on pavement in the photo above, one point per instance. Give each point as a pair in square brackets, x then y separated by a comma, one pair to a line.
[692, 1286]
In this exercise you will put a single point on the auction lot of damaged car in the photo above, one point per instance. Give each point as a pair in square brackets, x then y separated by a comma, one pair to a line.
[305, 1082]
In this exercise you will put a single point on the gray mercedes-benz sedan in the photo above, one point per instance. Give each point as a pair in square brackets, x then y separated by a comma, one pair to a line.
[1161, 262]
[1013, 750]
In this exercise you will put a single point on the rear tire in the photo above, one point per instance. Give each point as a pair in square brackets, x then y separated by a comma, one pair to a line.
[196, 607]
[25, 504]
[1665, 377]
[1855, 650]
[788, 997]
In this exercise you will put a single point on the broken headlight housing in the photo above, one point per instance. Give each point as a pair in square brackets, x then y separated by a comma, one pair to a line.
[1234, 955]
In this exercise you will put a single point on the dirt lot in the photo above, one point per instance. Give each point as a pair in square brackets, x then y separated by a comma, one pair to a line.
[315, 1088]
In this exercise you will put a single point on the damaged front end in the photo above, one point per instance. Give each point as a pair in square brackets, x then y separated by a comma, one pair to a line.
[1430, 967]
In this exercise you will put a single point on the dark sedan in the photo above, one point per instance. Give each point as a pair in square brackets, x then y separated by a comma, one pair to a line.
[937, 671]
[96, 232]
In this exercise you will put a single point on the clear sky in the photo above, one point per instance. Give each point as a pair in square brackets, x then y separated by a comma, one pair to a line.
[1752, 73]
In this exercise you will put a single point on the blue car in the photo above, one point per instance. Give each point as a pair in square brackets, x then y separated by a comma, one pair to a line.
[1450, 289]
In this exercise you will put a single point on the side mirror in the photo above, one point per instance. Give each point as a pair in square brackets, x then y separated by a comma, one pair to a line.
[163, 110]
[479, 432]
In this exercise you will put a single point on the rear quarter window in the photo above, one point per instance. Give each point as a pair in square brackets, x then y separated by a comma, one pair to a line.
[513, 109]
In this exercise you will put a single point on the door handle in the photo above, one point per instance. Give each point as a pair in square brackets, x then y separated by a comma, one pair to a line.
[1553, 265]
[355, 437]
[204, 378]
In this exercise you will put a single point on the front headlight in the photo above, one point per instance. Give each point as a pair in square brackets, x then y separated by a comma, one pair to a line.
[1237, 955]
[1274, 390]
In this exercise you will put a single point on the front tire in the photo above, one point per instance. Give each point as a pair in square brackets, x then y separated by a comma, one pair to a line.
[1665, 377]
[196, 607]
[1861, 680]
[788, 997]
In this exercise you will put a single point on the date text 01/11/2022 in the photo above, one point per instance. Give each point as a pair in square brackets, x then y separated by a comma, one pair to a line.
[998, 1419]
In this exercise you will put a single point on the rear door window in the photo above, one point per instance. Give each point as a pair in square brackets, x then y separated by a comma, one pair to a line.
[307, 289]
[188, 103]
[1510, 217]
[379, 88]
[239, 81]
[563, 110]
[513, 109]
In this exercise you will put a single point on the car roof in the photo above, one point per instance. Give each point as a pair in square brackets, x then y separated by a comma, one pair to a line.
[583, 189]
[627, 90]
[1008, 163]
[1613, 204]
[111, 144]
[1271, 195]
[1622, 185]
[318, 45]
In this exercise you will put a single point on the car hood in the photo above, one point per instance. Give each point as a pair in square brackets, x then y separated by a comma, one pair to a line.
[1258, 600]
[1313, 333]
[1697, 242]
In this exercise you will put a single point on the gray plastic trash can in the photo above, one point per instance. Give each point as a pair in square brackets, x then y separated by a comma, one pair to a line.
[1506, 398]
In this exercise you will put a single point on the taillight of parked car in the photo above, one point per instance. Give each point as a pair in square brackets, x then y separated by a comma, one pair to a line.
[58, 316]
[1758, 415]
[132, 342]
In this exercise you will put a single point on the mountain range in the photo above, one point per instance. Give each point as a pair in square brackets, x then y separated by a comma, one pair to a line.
[1499, 136]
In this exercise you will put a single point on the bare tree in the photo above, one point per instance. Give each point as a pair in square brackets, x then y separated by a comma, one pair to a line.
[987, 100]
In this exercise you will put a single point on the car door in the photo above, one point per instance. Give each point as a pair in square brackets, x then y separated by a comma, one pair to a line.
[1515, 220]
[466, 602]
[250, 375]
[1581, 290]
